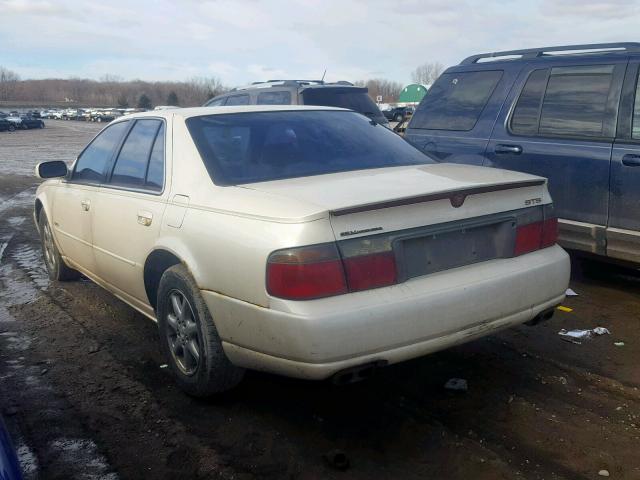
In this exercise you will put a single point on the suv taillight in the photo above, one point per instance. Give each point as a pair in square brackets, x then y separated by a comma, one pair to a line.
[320, 271]
[536, 235]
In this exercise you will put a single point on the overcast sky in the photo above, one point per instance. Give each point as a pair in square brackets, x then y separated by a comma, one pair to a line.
[243, 41]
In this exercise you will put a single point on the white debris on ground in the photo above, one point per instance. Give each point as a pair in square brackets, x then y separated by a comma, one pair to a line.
[575, 335]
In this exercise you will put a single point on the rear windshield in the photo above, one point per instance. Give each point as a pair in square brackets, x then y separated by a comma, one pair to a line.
[253, 147]
[356, 99]
[456, 101]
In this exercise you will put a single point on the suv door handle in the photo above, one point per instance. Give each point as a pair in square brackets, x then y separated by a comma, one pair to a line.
[145, 218]
[86, 205]
[514, 149]
[631, 160]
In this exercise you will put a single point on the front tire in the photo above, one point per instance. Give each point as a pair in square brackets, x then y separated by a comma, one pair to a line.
[189, 338]
[56, 268]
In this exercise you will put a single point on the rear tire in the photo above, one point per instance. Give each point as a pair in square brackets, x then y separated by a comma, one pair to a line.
[189, 338]
[399, 117]
[56, 268]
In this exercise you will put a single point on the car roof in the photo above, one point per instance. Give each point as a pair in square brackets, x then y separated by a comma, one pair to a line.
[595, 51]
[201, 111]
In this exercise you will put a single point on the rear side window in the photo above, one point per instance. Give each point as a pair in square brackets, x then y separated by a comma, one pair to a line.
[131, 165]
[92, 163]
[155, 172]
[238, 100]
[456, 101]
[566, 101]
[274, 98]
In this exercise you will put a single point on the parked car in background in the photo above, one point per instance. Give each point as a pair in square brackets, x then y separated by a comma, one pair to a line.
[27, 122]
[6, 125]
[57, 114]
[338, 245]
[302, 92]
[398, 114]
[568, 113]
[9, 466]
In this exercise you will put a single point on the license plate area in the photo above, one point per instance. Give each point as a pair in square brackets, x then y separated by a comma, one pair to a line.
[444, 248]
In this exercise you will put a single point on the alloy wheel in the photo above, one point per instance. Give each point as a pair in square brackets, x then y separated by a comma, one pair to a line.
[182, 333]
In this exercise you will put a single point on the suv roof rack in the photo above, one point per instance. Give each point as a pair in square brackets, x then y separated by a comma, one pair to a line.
[290, 83]
[591, 48]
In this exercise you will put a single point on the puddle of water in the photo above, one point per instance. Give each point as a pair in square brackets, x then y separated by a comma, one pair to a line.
[21, 199]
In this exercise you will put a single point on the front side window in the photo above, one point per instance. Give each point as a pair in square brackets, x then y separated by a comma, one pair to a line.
[237, 100]
[262, 146]
[92, 163]
[130, 169]
[456, 101]
[274, 98]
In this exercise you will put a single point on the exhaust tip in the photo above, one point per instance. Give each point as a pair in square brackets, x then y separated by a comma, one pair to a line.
[543, 316]
[357, 373]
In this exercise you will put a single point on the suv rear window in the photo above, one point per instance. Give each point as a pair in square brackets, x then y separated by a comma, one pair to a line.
[261, 146]
[353, 98]
[456, 101]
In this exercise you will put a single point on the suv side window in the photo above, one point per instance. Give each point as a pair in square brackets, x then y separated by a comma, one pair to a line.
[635, 130]
[238, 100]
[131, 165]
[456, 100]
[274, 98]
[217, 102]
[92, 163]
[565, 101]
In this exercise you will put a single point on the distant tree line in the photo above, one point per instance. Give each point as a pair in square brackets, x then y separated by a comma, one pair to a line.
[113, 91]
[108, 91]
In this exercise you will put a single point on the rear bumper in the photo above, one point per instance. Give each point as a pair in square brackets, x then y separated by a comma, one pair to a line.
[318, 338]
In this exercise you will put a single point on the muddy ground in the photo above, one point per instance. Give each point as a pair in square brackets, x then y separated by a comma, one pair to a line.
[85, 397]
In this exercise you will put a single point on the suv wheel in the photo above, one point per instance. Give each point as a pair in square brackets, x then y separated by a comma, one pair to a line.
[12, 128]
[398, 117]
[56, 268]
[189, 338]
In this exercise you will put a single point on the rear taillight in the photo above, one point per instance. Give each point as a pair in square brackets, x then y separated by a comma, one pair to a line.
[536, 235]
[320, 271]
[306, 273]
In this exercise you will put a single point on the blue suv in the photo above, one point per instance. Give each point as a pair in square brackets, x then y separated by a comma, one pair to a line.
[570, 113]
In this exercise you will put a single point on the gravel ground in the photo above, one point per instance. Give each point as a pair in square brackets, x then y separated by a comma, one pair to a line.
[84, 394]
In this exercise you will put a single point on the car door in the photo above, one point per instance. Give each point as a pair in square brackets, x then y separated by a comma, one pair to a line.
[129, 209]
[623, 230]
[561, 126]
[74, 197]
[453, 122]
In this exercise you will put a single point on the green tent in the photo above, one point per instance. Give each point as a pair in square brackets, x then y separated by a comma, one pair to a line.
[412, 93]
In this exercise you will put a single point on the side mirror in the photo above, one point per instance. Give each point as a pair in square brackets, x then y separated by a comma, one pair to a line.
[56, 168]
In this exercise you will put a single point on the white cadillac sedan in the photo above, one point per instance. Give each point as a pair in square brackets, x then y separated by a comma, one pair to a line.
[305, 241]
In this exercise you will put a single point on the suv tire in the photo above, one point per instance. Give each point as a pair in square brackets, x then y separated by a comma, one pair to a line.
[189, 338]
[56, 268]
[398, 117]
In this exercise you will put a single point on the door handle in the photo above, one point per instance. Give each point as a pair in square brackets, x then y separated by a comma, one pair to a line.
[631, 160]
[145, 218]
[86, 205]
[513, 149]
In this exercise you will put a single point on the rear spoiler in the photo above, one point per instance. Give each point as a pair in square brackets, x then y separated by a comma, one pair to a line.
[456, 197]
